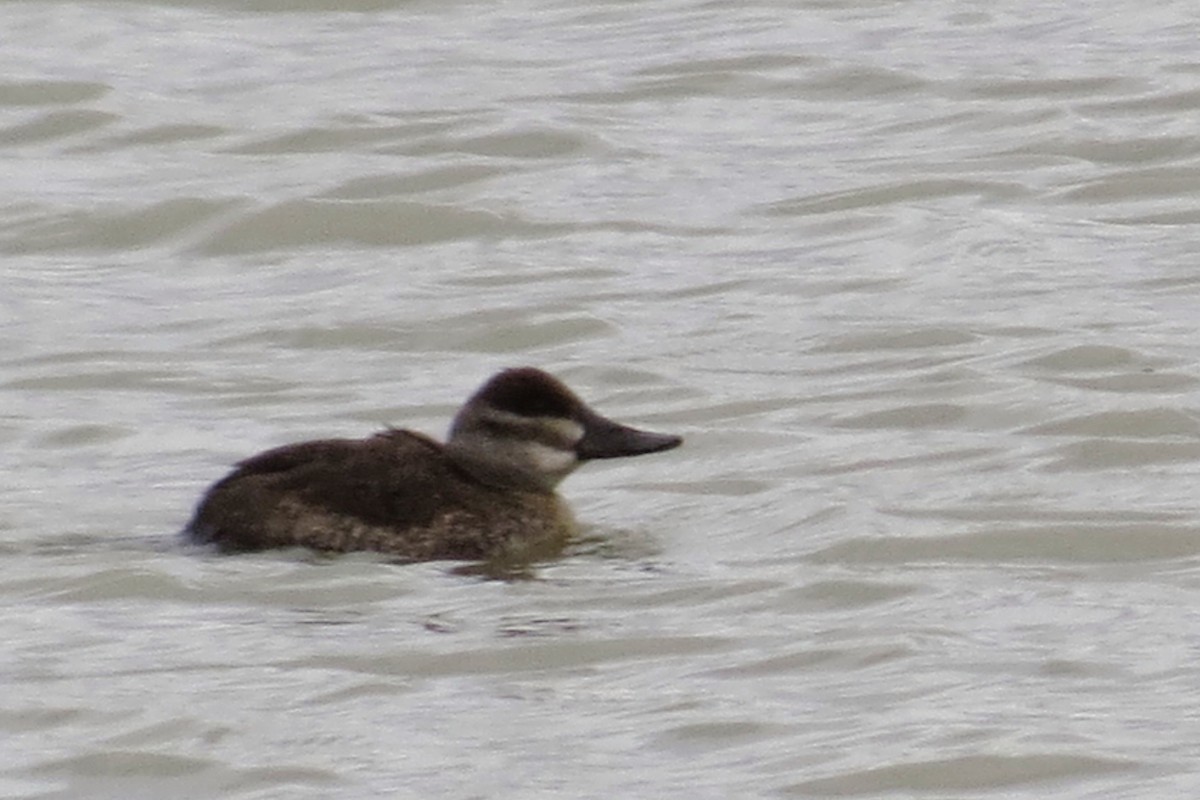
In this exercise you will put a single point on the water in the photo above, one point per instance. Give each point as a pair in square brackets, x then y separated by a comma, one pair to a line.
[917, 281]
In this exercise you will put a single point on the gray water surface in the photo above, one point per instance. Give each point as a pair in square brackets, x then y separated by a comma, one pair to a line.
[918, 283]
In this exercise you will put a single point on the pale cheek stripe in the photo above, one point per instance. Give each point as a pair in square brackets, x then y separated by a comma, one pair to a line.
[569, 430]
[551, 460]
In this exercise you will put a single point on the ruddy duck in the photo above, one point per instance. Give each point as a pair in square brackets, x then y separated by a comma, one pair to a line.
[489, 491]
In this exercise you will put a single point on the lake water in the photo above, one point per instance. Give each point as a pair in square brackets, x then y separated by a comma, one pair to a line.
[918, 282]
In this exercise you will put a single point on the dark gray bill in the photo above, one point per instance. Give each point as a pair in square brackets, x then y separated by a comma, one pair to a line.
[603, 438]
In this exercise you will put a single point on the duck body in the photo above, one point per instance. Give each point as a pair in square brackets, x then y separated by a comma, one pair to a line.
[396, 492]
[488, 492]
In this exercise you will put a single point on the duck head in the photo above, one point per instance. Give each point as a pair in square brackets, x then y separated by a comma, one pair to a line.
[524, 429]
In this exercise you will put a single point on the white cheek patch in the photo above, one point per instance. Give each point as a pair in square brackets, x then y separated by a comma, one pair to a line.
[569, 430]
[551, 460]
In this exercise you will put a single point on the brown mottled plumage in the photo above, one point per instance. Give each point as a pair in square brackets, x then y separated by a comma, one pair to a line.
[488, 492]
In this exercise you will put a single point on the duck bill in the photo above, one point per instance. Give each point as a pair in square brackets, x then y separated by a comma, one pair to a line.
[603, 438]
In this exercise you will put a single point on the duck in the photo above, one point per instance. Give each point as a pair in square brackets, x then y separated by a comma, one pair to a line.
[490, 491]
